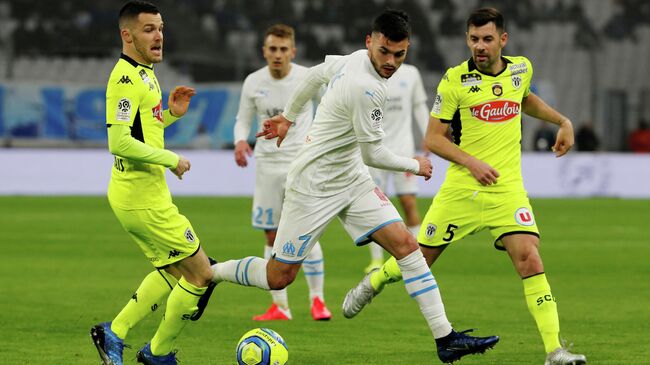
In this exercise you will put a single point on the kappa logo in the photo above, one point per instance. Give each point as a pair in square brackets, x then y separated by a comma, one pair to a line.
[431, 230]
[289, 249]
[125, 80]
[524, 217]
[135, 296]
[189, 235]
[173, 253]
[474, 89]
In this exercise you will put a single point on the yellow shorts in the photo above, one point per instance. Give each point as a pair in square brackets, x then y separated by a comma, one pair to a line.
[456, 213]
[164, 235]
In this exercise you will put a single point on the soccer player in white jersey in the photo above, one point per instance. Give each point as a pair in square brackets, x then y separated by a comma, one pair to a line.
[407, 102]
[264, 94]
[329, 179]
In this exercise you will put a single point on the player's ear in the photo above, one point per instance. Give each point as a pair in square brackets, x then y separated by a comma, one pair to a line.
[125, 33]
[504, 39]
[368, 40]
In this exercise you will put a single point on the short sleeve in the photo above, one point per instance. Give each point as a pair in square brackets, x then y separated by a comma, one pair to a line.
[446, 100]
[367, 112]
[122, 99]
[529, 77]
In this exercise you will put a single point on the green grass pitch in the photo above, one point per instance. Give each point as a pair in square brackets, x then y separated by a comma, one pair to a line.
[67, 264]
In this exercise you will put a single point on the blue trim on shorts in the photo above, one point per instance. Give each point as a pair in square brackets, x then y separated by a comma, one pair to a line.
[287, 261]
[313, 262]
[364, 239]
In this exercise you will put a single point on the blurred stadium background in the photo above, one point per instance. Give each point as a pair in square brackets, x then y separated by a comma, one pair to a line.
[55, 58]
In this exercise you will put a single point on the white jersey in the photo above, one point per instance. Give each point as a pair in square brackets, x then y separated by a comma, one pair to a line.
[405, 91]
[350, 112]
[264, 96]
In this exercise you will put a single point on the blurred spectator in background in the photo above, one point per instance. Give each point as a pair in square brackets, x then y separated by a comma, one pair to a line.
[639, 139]
[586, 138]
[544, 137]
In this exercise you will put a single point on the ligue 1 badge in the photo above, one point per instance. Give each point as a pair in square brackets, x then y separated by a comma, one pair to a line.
[497, 89]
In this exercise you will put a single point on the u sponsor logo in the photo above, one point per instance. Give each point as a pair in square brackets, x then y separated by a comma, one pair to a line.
[524, 217]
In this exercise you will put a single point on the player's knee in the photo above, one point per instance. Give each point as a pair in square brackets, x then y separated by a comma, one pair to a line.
[280, 280]
[408, 244]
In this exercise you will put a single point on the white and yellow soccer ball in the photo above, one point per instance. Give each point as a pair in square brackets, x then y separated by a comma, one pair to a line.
[262, 346]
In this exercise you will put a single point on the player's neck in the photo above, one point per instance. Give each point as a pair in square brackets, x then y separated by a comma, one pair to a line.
[281, 73]
[495, 68]
[135, 55]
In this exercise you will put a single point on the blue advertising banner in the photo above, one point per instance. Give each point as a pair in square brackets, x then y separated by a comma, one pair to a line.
[73, 113]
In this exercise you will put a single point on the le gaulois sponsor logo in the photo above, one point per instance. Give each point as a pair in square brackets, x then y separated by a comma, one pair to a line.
[495, 111]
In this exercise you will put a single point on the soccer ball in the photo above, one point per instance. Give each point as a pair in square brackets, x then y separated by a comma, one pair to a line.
[262, 346]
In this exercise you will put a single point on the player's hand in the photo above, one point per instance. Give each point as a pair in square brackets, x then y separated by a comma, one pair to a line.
[182, 167]
[564, 139]
[482, 172]
[276, 127]
[242, 150]
[425, 167]
[179, 100]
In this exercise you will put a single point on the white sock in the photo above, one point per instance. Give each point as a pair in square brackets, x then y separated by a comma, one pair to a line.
[376, 252]
[280, 297]
[422, 286]
[314, 269]
[249, 271]
[415, 230]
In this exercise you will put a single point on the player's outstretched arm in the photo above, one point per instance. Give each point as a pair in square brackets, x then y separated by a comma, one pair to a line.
[122, 144]
[374, 154]
[276, 127]
[177, 104]
[534, 106]
[437, 141]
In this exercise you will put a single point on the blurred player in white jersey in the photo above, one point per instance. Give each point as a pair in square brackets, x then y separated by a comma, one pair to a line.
[264, 94]
[407, 102]
[329, 179]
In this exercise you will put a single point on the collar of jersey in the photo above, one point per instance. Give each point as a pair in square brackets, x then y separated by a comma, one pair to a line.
[472, 67]
[133, 62]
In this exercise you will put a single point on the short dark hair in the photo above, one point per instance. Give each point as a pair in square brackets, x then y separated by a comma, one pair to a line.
[134, 8]
[282, 31]
[482, 16]
[393, 24]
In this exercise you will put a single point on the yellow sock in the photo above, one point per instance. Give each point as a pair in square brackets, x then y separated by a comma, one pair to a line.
[149, 296]
[541, 304]
[181, 304]
[388, 273]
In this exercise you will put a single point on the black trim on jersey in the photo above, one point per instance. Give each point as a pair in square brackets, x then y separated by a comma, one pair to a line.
[456, 127]
[133, 62]
[501, 248]
[136, 130]
[471, 66]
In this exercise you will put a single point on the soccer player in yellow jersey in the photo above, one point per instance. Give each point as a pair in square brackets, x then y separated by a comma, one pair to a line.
[139, 196]
[482, 100]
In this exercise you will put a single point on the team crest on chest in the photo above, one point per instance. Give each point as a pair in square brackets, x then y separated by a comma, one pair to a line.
[497, 89]
[516, 81]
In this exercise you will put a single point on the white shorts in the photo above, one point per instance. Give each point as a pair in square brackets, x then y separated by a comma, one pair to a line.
[270, 180]
[405, 183]
[363, 209]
